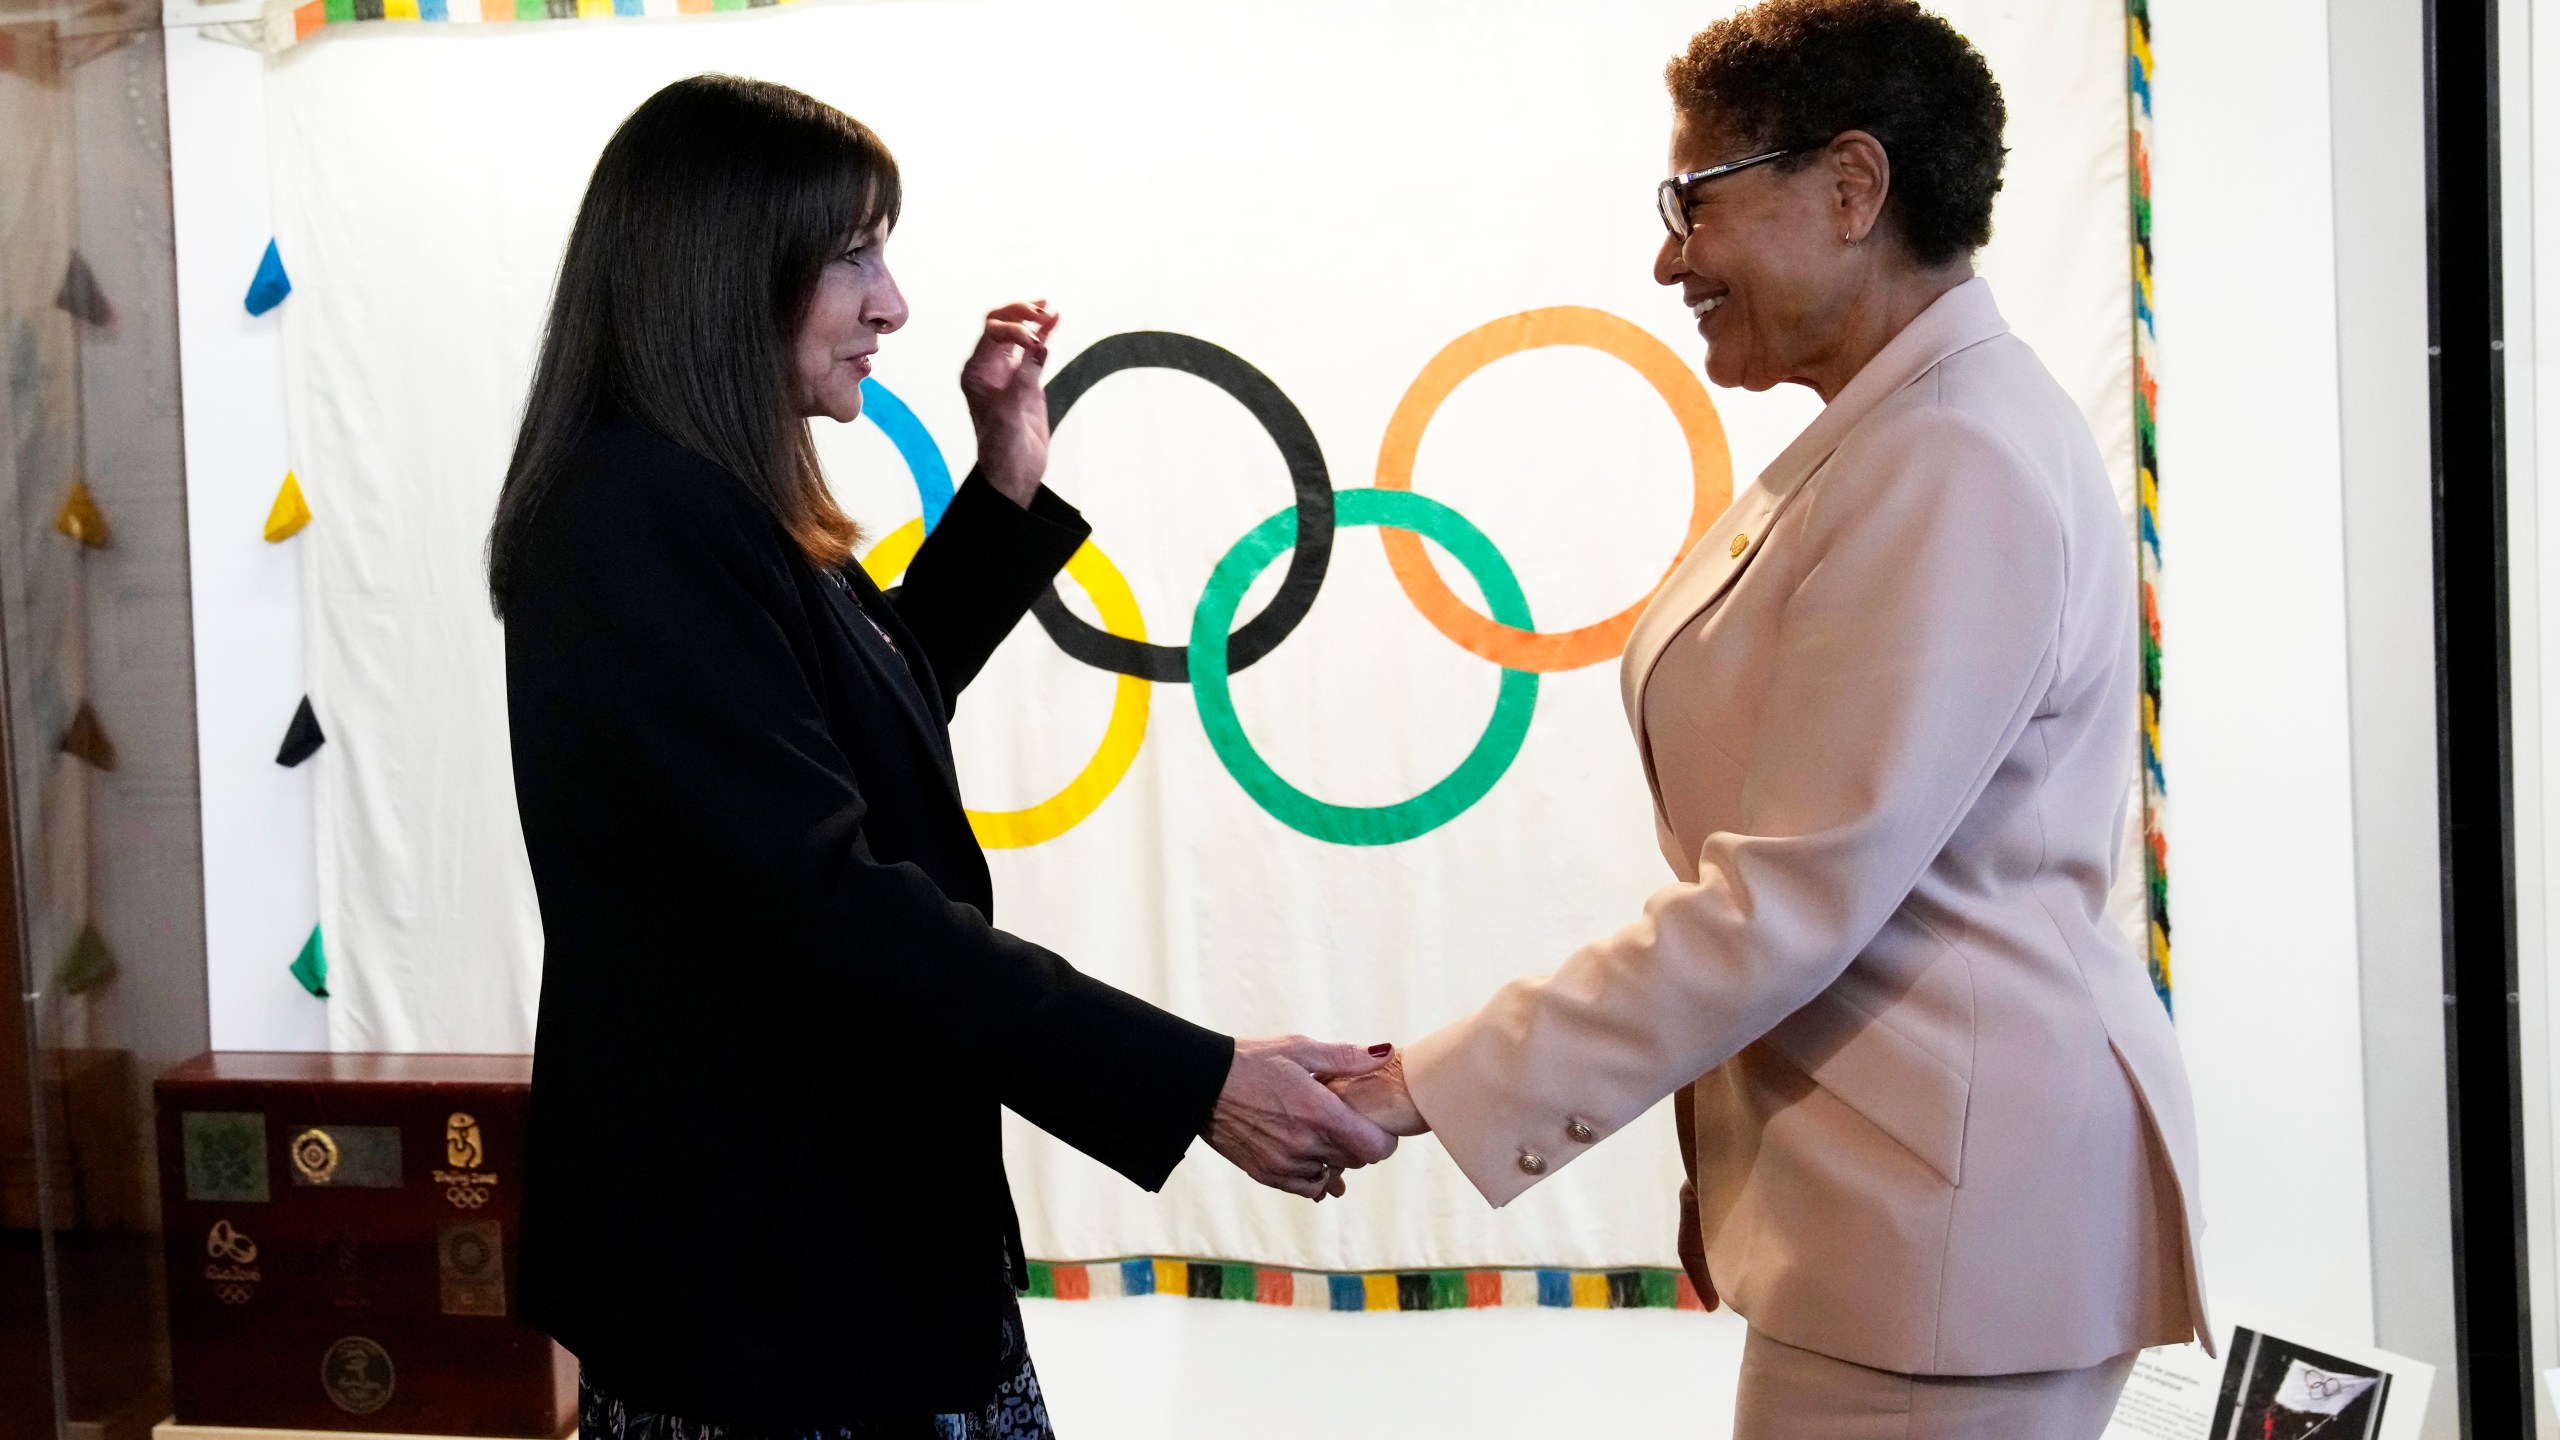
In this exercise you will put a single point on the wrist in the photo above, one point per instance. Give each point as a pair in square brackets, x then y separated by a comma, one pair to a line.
[1017, 483]
[1226, 1084]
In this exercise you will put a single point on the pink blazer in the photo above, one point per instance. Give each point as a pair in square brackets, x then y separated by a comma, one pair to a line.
[1887, 708]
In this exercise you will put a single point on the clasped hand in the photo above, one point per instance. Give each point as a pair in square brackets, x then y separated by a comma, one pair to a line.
[1296, 1113]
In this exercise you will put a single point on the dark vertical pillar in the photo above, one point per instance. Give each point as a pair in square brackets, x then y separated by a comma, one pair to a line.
[2465, 297]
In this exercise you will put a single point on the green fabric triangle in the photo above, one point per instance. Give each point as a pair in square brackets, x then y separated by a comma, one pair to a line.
[311, 967]
[87, 965]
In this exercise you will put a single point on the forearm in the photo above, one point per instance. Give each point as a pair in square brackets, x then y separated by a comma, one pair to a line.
[1554, 1064]
[1121, 1080]
[979, 572]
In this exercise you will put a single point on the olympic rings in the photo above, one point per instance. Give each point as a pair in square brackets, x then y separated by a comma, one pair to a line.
[1513, 705]
[1122, 735]
[1710, 466]
[1214, 652]
[1165, 350]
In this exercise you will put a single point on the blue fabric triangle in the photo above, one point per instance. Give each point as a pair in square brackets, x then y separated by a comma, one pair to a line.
[268, 289]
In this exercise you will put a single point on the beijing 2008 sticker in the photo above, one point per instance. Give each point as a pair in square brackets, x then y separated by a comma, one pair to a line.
[466, 1184]
[357, 1374]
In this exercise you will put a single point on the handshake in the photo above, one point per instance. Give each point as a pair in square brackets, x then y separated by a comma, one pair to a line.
[1296, 1112]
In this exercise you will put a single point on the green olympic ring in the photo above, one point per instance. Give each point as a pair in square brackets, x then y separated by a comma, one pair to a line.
[1513, 706]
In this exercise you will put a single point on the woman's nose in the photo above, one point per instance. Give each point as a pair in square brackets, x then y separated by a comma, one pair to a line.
[888, 306]
[1669, 262]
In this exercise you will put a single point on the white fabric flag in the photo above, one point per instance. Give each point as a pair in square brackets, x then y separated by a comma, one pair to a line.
[2314, 1391]
[1333, 192]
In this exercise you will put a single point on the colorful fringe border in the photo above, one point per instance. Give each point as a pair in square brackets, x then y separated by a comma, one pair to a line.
[2146, 442]
[289, 23]
[1373, 1290]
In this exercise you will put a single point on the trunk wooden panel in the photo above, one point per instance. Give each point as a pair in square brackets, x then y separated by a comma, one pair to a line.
[373, 1286]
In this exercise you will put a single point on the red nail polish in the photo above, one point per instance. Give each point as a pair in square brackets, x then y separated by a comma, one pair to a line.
[1382, 1050]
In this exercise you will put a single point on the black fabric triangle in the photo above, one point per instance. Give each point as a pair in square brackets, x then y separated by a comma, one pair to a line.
[302, 738]
[80, 293]
[87, 739]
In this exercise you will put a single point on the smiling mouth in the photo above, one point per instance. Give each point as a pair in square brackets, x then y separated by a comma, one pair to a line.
[1705, 305]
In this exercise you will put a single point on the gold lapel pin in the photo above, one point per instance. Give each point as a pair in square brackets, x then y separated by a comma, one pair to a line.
[1740, 544]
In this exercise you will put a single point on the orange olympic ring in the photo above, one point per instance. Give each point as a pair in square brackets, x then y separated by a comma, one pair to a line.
[1710, 466]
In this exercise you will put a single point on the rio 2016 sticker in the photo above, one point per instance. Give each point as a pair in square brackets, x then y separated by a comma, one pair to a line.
[1218, 647]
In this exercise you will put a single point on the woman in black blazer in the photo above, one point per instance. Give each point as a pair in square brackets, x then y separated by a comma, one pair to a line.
[766, 1191]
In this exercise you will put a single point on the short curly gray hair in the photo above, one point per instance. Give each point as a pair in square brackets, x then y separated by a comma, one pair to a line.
[1788, 73]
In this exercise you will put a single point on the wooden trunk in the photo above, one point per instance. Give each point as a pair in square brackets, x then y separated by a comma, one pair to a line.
[341, 1240]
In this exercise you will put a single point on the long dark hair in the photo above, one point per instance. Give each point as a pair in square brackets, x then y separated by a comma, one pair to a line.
[709, 217]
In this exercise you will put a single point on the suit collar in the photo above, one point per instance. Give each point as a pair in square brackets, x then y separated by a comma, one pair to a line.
[1961, 318]
[898, 667]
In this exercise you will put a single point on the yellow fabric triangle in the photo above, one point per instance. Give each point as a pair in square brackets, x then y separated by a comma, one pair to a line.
[80, 519]
[290, 513]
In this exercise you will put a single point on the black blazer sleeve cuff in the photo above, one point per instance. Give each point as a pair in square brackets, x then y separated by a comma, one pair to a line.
[978, 573]
[1119, 1079]
[1037, 537]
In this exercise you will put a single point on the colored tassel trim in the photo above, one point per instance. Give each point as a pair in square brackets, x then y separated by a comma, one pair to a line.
[1640, 1289]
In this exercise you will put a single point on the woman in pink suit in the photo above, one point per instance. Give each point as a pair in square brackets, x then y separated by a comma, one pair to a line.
[1940, 1142]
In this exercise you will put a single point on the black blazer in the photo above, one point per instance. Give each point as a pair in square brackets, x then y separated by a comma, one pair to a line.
[766, 1182]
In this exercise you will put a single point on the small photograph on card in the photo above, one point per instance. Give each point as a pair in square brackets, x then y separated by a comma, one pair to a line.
[2274, 1389]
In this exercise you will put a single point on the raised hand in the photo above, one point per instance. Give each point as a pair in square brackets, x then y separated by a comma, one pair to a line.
[1276, 1121]
[1001, 381]
[1381, 1097]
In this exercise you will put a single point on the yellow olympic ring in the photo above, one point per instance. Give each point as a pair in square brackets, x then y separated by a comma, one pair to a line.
[1121, 737]
[1710, 464]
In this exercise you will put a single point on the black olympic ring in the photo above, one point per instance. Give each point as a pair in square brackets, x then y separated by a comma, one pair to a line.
[1259, 636]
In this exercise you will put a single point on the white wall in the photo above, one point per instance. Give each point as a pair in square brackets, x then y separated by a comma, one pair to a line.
[2254, 673]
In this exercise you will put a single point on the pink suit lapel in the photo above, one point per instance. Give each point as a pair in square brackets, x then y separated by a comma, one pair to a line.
[1965, 316]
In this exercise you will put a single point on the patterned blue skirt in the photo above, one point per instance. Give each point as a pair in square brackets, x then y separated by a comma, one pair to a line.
[1015, 1413]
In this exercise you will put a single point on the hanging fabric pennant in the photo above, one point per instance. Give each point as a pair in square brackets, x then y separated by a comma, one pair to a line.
[269, 287]
[80, 518]
[87, 965]
[311, 967]
[86, 739]
[80, 293]
[302, 737]
[289, 514]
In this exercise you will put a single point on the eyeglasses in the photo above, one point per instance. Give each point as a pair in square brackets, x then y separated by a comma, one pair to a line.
[1673, 194]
